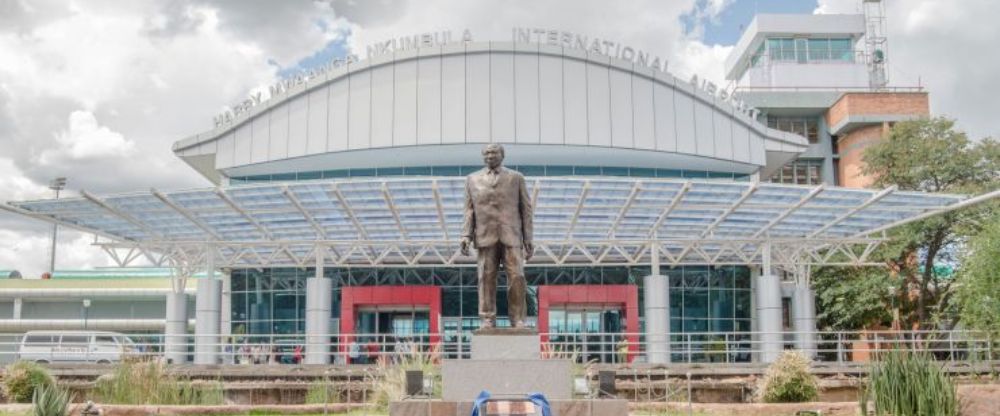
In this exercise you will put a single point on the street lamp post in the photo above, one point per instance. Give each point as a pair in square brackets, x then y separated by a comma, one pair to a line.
[57, 185]
[86, 312]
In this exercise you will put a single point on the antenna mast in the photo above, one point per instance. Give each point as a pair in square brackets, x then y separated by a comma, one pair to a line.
[876, 45]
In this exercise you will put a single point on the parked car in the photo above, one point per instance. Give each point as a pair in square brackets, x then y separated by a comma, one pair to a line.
[75, 346]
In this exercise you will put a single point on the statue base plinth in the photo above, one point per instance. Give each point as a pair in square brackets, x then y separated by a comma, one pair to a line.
[505, 331]
[506, 361]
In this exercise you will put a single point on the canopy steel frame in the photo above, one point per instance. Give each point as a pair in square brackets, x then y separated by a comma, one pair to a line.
[579, 221]
[360, 253]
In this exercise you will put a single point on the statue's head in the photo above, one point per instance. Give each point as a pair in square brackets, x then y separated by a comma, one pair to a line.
[493, 155]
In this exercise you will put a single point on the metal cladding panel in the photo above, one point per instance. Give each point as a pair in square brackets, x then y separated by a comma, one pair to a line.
[621, 109]
[501, 77]
[704, 129]
[757, 155]
[317, 125]
[259, 139]
[526, 99]
[453, 97]
[429, 91]
[298, 121]
[278, 147]
[405, 107]
[359, 111]
[224, 158]
[550, 99]
[382, 110]
[337, 115]
[500, 92]
[741, 143]
[575, 102]
[723, 136]
[599, 105]
[642, 113]
[664, 118]
[477, 97]
[243, 137]
[684, 116]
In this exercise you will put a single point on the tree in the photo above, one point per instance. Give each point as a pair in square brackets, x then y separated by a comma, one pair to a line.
[979, 293]
[858, 299]
[930, 155]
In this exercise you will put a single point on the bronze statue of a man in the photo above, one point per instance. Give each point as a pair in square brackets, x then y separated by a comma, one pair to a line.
[498, 216]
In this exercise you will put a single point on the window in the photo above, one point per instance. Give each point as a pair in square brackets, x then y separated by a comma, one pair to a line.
[801, 172]
[800, 51]
[106, 339]
[74, 339]
[786, 313]
[757, 57]
[806, 50]
[807, 127]
[39, 339]
[819, 49]
[840, 50]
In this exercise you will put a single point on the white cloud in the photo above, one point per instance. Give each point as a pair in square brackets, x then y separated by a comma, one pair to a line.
[86, 139]
[15, 186]
[650, 25]
[947, 47]
[838, 7]
[30, 254]
[97, 91]
[130, 78]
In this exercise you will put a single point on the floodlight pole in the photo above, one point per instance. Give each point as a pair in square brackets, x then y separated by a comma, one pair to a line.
[57, 185]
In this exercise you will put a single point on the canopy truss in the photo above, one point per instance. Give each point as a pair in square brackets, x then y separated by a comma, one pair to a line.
[397, 222]
[263, 254]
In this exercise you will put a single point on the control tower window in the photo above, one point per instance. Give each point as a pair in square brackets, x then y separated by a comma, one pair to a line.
[808, 50]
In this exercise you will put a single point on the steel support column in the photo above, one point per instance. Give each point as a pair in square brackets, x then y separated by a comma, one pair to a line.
[656, 297]
[207, 316]
[769, 309]
[319, 300]
[226, 316]
[175, 330]
[804, 315]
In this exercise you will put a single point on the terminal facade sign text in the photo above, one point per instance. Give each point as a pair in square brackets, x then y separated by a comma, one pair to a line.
[557, 38]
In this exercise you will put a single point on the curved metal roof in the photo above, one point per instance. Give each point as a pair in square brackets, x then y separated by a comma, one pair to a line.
[426, 214]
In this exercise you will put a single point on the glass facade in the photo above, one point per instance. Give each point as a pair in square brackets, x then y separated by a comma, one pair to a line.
[271, 302]
[805, 50]
[527, 170]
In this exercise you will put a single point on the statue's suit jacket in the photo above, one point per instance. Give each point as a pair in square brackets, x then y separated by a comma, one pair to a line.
[497, 212]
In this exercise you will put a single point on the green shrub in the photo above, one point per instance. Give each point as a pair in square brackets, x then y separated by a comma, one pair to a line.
[788, 380]
[901, 383]
[22, 378]
[138, 382]
[321, 392]
[50, 400]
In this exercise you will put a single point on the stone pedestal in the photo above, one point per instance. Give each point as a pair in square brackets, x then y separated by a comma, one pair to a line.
[506, 362]
[463, 380]
[506, 347]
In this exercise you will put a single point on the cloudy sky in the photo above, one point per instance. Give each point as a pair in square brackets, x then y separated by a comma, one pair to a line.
[97, 91]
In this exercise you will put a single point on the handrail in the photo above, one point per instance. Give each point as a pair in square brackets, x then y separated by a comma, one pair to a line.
[602, 347]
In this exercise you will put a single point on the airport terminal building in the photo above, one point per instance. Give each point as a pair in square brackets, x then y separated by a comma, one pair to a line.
[664, 206]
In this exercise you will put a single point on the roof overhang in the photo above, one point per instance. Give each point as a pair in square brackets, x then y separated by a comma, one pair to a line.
[410, 222]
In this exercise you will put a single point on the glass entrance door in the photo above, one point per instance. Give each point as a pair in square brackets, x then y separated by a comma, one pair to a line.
[392, 329]
[586, 333]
